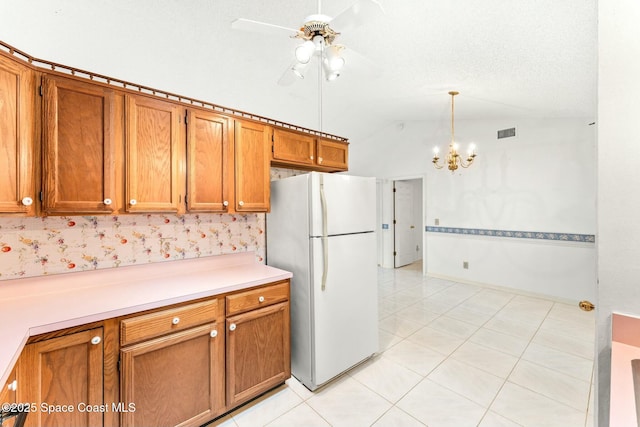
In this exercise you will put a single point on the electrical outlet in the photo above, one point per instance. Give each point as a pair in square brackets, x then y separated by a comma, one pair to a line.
[465, 264]
[437, 221]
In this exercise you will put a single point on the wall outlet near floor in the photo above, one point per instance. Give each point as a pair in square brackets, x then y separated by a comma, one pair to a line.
[465, 264]
[437, 221]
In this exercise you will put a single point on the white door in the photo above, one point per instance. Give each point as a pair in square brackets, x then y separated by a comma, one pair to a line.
[345, 313]
[404, 224]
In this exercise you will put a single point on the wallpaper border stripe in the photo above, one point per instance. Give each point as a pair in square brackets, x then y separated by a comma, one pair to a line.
[539, 235]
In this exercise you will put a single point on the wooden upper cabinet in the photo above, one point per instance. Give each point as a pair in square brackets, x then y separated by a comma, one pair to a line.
[292, 147]
[333, 154]
[67, 371]
[154, 150]
[79, 147]
[208, 162]
[17, 128]
[252, 143]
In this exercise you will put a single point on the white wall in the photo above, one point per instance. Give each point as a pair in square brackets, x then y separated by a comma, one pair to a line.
[618, 178]
[543, 180]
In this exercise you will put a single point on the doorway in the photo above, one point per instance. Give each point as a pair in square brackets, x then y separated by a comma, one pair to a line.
[407, 222]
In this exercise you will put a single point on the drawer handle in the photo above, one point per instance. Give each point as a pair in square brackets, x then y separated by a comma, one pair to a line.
[261, 299]
[213, 333]
[175, 320]
[13, 385]
[232, 327]
[95, 340]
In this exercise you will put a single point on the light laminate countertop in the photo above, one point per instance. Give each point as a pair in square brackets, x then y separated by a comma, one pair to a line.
[37, 305]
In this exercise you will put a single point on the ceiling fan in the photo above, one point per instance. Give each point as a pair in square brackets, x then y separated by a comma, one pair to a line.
[317, 35]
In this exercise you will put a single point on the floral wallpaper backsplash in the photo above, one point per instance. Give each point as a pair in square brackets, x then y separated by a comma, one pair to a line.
[61, 244]
[50, 245]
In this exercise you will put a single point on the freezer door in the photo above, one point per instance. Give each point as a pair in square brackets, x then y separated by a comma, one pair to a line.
[350, 203]
[345, 314]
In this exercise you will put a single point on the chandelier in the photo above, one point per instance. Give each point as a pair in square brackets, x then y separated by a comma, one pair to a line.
[318, 39]
[454, 160]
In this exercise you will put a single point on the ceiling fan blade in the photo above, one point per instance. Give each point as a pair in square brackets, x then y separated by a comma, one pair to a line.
[288, 77]
[360, 12]
[262, 27]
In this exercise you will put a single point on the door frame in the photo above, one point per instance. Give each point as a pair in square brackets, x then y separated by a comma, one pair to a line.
[385, 214]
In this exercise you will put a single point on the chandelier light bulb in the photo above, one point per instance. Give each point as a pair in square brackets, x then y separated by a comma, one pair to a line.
[436, 150]
[305, 51]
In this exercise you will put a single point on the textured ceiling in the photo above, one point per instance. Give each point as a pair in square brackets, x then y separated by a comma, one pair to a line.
[507, 58]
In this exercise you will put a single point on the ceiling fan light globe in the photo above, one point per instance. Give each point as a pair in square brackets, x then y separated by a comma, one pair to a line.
[332, 76]
[305, 51]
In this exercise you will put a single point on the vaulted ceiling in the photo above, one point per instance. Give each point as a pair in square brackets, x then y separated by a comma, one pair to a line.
[507, 58]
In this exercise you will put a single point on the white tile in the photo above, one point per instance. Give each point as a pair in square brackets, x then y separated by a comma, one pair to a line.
[565, 343]
[387, 340]
[387, 378]
[417, 315]
[415, 357]
[472, 383]
[576, 329]
[454, 327]
[395, 417]
[301, 415]
[498, 341]
[399, 326]
[437, 406]
[226, 421]
[552, 384]
[266, 408]
[491, 419]
[298, 388]
[436, 340]
[524, 330]
[468, 314]
[346, 402]
[572, 312]
[529, 408]
[490, 360]
[568, 364]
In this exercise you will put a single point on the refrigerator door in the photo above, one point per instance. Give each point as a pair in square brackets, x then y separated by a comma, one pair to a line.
[345, 314]
[350, 203]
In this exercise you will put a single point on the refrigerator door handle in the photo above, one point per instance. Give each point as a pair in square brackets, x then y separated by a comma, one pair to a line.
[325, 246]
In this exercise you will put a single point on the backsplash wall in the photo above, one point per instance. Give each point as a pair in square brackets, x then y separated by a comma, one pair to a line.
[51, 245]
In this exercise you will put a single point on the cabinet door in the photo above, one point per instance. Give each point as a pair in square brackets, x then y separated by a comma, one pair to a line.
[208, 156]
[333, 154]
[258, 352]
[154, 131]
[78, 150]
[174, 380]
[17, 127]
[293, 148]
[8, 391]
[252, 162]
[64, 373]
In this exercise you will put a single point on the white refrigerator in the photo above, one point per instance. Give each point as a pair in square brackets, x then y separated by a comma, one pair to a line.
[322, 228]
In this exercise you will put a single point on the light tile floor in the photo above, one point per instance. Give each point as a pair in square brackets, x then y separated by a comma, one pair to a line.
[451, 354]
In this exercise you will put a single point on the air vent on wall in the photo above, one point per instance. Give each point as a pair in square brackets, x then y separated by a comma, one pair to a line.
[507, 133]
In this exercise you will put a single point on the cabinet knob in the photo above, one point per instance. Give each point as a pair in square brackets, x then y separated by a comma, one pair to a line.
[311, 157]
[96, 340]
[133, 202]
[13, 385]
[319, 159]
[213, 333]
[241, 203]
[175, 320]
[107, 202]
[27, 201]
[232, 327]
[260, 298]
[225, 203]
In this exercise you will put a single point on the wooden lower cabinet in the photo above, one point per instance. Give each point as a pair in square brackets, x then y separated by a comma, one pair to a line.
[177, 379]
[62, 378]
[258, 352]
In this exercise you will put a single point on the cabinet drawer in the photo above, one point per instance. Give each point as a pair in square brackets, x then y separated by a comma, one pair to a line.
[151, 325]
[257, 298]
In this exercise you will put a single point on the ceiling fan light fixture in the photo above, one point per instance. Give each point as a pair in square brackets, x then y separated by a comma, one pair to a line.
[305, 51]
[333, 60]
